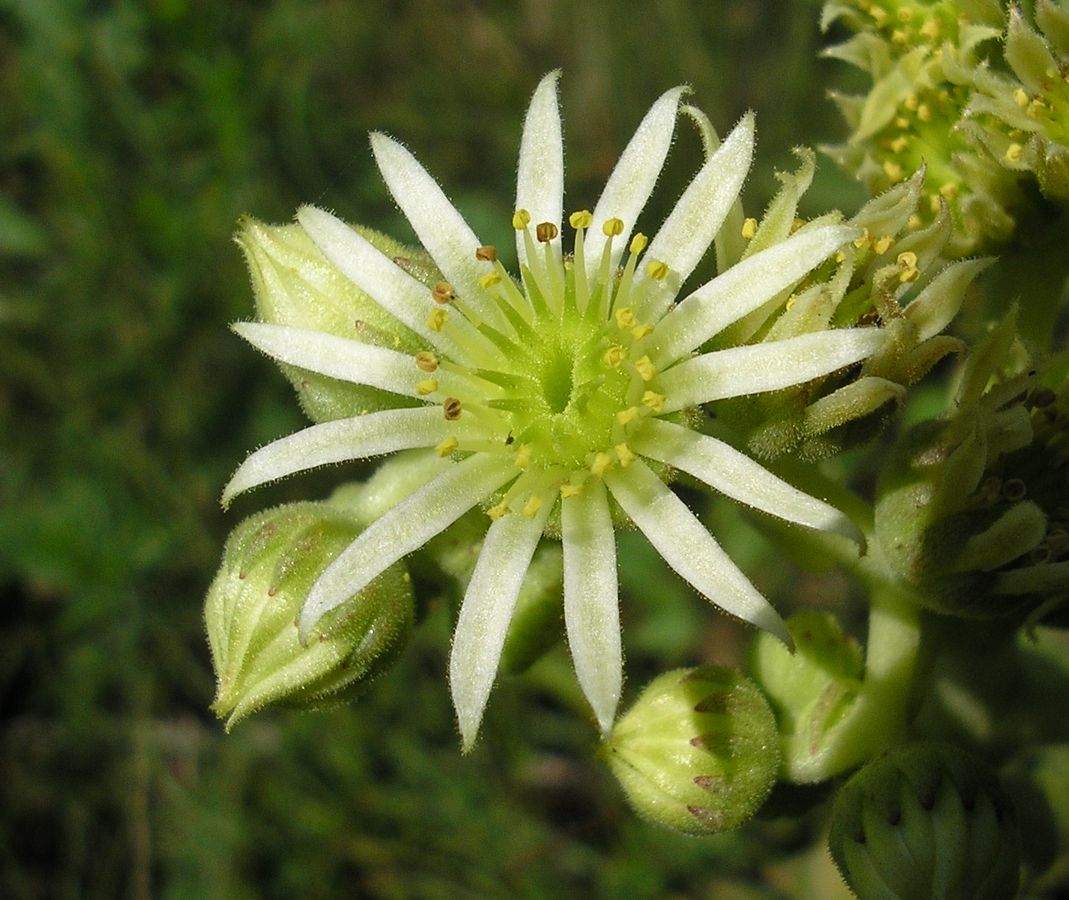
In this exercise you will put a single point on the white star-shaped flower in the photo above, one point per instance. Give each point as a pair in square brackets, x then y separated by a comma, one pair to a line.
[560, 395]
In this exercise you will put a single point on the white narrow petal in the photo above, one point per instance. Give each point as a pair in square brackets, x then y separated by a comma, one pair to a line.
[334, 442]
[335, 357]
[591, 599]
[755, 368]
[733, 473]
[631, 182]
[688, 548]
[374, 273]
[692, 225]
[743, 288]
[486, 612]
[439, 227]
[540, 179]
[406, 527]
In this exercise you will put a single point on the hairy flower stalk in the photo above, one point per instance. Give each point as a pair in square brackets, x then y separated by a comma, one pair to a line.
[563, 398]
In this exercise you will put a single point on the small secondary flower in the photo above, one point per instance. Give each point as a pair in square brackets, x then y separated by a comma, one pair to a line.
[561, 395]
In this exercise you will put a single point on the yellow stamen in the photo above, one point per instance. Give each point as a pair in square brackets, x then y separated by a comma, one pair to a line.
[905, 14]
[426, 361]
[1013, 152]
[496, 512]
[602, 461]
[625, 318]
[613, 227]
[451, 408]
[883, 245]
[523, 456]
[427, 386]
[532, 506]
[863, 240]
[640, 331]
[626, 416]
[546, 231]
[442, 292]
[646, 368]
[899, 143]
[924, 112]
[749, 228]
[582, 218]
[907, 262]
[486, 253]
[1020, 97]
[567, 489]
[638, 243]
[436, 320]
[653, 401]
[624, 455]
[521, 219]
[930, 29]
[614, 356]
[447, 446]
[893, 170]
[489, 279]
[657, 270]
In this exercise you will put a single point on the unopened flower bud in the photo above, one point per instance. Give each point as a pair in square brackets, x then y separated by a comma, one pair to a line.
[295, 285]
[812, 691]
[698, 752]
[926, 821]
[269, 564]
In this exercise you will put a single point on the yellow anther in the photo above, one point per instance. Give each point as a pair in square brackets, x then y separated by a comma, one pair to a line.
[899, 143]
[442, 292]
[426, 361]
[613, 227]
[1013, 152]
[521, 219]
[905, 14]
[436, 320]
[879, 14]
[638, 243]
[427, 386]
[625, 318]
[899, 36]
[930, 29]
[840, 257]
[910, 102]
[864, 240]
[532, 506]
[657, 269]
[496, 512]
[487, 253]
[523, 456]
[489, 279]
[654, 401]
[640, 331]
[934, 202]
[567, 489]
[646, 368]
[627, 416]
[447, 446]
[949, 190]
[614, 356]
[883, 245]
[924, 112]
[601, 462]
[1020, 97]
[749, 228]
[1035, 107]
[907, 262]
[582, 218]
[901, 122]
[797, 223]
[546, 231]
[914, 222]
[791, 300]
[893, 170]
[624, 455]
[451, 408]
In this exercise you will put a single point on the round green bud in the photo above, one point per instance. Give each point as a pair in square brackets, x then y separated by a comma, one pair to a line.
[698, 752]
[270, 563]
[926, 822]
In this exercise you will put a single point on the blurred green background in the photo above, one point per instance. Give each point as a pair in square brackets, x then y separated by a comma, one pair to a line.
[133, 136]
